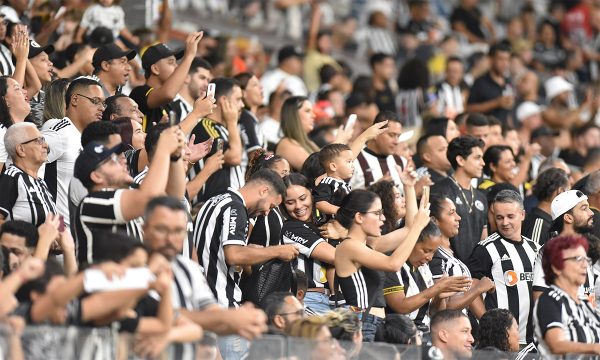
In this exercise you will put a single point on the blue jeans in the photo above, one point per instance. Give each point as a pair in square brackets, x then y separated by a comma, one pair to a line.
[369, 327]
[317, 302]
[233, 347]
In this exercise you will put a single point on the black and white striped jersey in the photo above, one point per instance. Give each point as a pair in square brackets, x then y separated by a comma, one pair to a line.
[24, 197]
[307, 237]
[536, 226]
[251, 135]
[228, 176]
[331, 190]
[100, 212]
[64, 142]
[222, 221]
[190, 288]
[7, 67]
[586, 291]
[510, 265]
[370, 167]
[577, 320]
[411, 281]
[445, 263]
[266, 230]
[181, 108]
[361, 287]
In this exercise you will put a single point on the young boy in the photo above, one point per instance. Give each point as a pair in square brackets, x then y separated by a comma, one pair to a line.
[338, 162]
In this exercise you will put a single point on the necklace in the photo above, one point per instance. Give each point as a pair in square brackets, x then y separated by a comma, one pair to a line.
[464, 196]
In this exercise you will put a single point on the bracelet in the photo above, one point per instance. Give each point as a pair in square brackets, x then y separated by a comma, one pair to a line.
[191, 163]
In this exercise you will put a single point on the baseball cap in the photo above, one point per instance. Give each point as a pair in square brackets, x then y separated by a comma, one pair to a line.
[109, 52]
[158, 52]
[92, 155]
[100, 36]
[565, 201]
[406, 135]
[35, 49]
[555, 86]
[288, 52]
[527, 109]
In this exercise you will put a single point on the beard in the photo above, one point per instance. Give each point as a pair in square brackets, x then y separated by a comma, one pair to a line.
[583, 228]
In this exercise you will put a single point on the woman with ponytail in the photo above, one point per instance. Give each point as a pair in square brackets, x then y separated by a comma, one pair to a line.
[266, 229]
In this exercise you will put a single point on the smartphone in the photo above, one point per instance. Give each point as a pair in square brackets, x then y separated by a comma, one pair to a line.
[135, 278]
[350, 122]
[172, 118]
[61, 226]
[220, 145]
[210, 92]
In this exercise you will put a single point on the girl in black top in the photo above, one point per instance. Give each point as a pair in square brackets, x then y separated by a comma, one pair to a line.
[315, 251]
[266, 230]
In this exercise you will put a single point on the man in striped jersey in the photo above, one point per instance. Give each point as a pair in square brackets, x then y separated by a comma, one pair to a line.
[507, 257]
[165, 225]
[110, 205]
[538, 221]
[221, 233]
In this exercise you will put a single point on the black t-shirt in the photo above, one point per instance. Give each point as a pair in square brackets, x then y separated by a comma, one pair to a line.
[266, 230]
[435, 176]
[151, 115]
[146, 307]
[485, 89]
[361, 288]
[537, 226]
[572, 158]
[331, 190]
[385, 99]
[471, 19]
[473, 213]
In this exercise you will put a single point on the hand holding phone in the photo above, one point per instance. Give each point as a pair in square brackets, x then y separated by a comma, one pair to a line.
[210, 91]
[351, 121]
[220, 145]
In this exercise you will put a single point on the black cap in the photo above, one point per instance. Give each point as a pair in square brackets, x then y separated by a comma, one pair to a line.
[158, 52]
[35, 49]
[100, 36]
[90, 157]
[542, 131]
[109, 52]
[288, 52]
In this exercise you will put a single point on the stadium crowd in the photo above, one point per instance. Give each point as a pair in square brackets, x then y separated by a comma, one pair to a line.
[449, 198]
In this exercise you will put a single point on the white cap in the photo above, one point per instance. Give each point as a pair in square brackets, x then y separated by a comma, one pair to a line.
[556, 85]
[407, 135]
[565, 201]
[527, 109]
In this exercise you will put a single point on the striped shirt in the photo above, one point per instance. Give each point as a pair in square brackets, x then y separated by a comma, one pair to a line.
[370, 167]
[228, 176]
[536, 226]
[100, 212]
[24, 197]
[3, 153]
[307, 237]
[361, 287]
[578, 321]
[266, 230]
[411, 281]
[251, 135]
[222, 221]
[510, 265]
[331, 190]
[7, 67]
[444, 263]
[190, 289]
[64, 142]
[180, 109]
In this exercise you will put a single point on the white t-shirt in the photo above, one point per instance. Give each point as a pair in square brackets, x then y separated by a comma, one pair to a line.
[271, 129]
[64, 142]
[111, 17]
[271, 80]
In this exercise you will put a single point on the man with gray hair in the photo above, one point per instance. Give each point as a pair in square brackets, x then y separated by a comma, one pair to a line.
[507, 257]
[25, 195]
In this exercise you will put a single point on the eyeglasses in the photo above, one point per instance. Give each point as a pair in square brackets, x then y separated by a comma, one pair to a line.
[95, 100]
[298, 312]
[579, 259]
[165, 231]
[379, 212]
[40, 140]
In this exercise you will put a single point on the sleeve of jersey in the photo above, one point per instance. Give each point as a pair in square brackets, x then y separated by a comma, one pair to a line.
[436, 265]
[322, 193]
[392, 283]
[203, 295]
[250, 130]
[539, 280]
[10, 191]
[480, 263]
[549, 313]
[295, 232]
[56, 144]
[102, 208]
[235, 226]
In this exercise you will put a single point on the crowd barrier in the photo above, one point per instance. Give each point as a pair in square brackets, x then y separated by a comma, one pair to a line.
[65, 343]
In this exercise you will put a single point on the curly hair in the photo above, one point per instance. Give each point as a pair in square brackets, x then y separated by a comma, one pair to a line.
[261, 160]
[343, 323]
[548, 182]
[385, 190]
[493, 329]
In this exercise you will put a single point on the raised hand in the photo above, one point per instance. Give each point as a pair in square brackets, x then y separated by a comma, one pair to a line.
[200, 150]
[408, 175]
[204, 106]
[215, 162]
[20, 43]
[375, 130]
[230, 114]
[31, 268]
[191, 43]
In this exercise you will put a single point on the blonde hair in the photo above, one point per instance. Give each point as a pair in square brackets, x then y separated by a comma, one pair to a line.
[307, 328]
[291, 126]
[343, 318]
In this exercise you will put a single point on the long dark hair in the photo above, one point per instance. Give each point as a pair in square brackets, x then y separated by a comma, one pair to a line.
[261, 160]
[385, 190]
[493, 329]
[299, 180]
[358, 201]
[125, 129]
[5, 117]
[492, 156]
